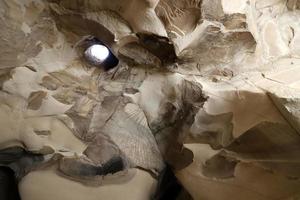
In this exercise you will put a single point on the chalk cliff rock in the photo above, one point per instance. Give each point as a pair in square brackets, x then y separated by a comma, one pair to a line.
[203, 101]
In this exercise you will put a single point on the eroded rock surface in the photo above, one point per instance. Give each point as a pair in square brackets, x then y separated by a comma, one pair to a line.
[209, 88]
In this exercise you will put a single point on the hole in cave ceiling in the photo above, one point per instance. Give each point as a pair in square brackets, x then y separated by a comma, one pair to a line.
[99, 55]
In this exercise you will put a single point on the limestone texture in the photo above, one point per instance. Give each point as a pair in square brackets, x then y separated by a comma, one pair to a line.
[204, 100]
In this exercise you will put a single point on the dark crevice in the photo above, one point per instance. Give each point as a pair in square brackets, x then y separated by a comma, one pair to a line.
[8, 185]
[159, 46]
[169, 188]
[115, 164]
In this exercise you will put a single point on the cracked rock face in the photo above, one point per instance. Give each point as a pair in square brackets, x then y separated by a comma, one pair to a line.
[207, 91]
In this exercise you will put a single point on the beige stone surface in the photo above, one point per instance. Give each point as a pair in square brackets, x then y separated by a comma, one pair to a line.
[210, 87]
[33, 187]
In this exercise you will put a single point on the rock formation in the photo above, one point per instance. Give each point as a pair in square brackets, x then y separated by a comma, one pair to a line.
[198, 96]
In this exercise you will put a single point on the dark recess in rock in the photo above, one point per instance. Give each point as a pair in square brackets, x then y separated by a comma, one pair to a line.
[169, 188]
[19, 160]
[8, 185]
[161, 47]
[80, 168]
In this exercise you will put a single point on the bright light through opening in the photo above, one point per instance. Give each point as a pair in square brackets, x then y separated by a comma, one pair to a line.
[99, 52]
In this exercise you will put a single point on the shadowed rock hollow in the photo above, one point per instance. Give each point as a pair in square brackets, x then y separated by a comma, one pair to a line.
[198, 99]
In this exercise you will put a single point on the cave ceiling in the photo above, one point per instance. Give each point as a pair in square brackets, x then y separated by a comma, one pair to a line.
[205, 90]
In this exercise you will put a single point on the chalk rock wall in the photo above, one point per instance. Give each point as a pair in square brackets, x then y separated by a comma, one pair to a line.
[207, 88]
